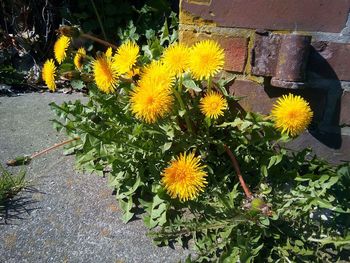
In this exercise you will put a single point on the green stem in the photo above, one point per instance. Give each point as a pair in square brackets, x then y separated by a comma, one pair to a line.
[209, 84]
[99, 19]
[182, 107]
[180, 84]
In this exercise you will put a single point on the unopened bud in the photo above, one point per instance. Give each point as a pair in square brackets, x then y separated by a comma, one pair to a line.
[257, 204]
[19, 160]
[87, 78]
[71, 75]
[69, 31]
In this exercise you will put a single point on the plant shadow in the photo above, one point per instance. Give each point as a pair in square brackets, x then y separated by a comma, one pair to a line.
[18, 207]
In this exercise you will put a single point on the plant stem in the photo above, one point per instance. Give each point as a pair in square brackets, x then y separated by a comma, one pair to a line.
[209, 84]
[182, 107]
[99, 19]
[180, 84]
[96, 39]
[53, 147]
[238, 172]
[25, 159]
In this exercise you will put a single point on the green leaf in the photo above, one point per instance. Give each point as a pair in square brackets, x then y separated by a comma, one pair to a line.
[182, 113]
[274, 160]
[166, 146]
[126, 207]
[77, 84]
[66, 67]
[336, 241]
[191, 85]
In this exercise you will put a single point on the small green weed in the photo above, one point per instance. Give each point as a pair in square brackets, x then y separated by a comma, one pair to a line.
[10, 184]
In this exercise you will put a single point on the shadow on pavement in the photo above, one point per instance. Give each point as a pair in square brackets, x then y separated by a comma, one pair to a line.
[19, 206]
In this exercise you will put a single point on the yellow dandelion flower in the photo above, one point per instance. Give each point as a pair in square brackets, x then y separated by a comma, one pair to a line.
[185, 177]
[60, 48]
[292, 114]
[79, 58]
[49, 73]
[176, 58]
[157, 72]
[109, 52]
[151, 101]
[206, 59]
[126, 57]
[213, 104]
[106, 77]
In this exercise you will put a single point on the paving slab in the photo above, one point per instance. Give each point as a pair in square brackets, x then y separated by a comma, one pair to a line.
[65, 215]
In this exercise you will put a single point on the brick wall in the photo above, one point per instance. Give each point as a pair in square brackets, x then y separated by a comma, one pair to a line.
[251, 33]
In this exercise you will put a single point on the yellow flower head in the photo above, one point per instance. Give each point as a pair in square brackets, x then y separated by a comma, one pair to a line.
[49, 73]
[176, 57]
[206, 59]
[151, 101]
[292, 114]
[157, 72]
[109, 52]
[79, 58]
[185, 177]
[60, 48]
[213, 104]
[106, 77]
[126, 57]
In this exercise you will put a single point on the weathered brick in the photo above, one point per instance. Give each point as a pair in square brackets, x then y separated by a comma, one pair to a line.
[310, 15]
[330, 60]
[254, 97]
[235, 47]
[345, 109]
[258, 98]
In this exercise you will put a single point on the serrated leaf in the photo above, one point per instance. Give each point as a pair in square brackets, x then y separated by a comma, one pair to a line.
[166, 146]
[191, 85]
[274, 160]
[126, 206]
[77, 84]
[182, 113]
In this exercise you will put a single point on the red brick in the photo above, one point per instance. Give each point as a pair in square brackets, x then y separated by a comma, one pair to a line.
[307, 15]
[260, 99]
[330, 60]
[345, 109]
[235, 47]
[254, 96]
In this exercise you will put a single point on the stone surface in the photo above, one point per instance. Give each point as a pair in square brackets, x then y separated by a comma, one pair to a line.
[64, 216]
[323, 146]
[345, 109]
[330, 60]
[272, 14]
[235, 47]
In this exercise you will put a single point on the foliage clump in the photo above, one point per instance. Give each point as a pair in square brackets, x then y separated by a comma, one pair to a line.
[173, 142]
[10, 185]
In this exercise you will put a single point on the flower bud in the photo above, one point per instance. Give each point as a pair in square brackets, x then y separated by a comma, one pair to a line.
[71, 75]
[257, 204]
[69, 31]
